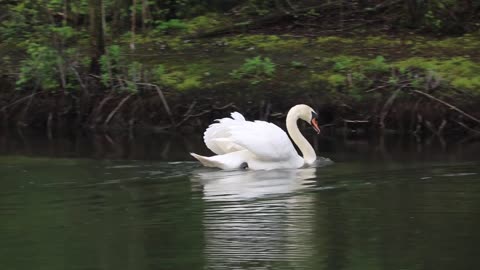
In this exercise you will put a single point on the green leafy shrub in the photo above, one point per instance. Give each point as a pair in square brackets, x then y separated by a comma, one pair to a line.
[110, 64]
[40, 69]
[256, 69]
[121, 74]
[377, 64]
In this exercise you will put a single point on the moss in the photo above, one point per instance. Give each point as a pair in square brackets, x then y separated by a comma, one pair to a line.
[381, 41]
[460, 72]
[190, 82]
[456, 44]
[349, 73]
[265, 42]
[195, 25]
[181, 78]
[357, 64]
[334, 39]
[204, 23]
[336, 80]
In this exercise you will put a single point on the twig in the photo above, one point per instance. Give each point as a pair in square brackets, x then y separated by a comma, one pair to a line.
[49, 126]
[18, 101]
[190, 108]
[448, 105]
[476, 132]
[164, 101]
[356, 121]
[25, 110]
[386, 107]
[112, 113]
[231, 104]
[402, 85]
[200, 114]
[79, 79]
[187, 115]
[98, 109]
[159, 91]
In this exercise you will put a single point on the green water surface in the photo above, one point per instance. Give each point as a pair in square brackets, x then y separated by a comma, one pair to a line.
[399, 210]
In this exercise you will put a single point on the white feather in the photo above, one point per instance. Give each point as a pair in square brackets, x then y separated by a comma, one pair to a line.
[259, 144]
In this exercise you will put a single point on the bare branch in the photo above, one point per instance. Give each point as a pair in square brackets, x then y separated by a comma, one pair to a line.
[448, 105]
[120, 104]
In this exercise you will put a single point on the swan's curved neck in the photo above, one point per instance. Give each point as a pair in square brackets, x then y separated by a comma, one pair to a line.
[307, 150]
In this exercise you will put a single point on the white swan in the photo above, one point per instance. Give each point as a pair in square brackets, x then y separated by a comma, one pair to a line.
[259, 145]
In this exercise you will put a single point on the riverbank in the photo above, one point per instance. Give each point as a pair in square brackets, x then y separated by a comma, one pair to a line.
[178, 80]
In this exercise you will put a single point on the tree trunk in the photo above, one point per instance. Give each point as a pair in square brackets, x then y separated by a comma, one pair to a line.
[415, 12]
[120, 16]
[66, 11]
[145, 16]
[97, 35]
[134, 21]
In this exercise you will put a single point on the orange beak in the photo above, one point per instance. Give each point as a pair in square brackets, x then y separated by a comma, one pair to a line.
[315, 125]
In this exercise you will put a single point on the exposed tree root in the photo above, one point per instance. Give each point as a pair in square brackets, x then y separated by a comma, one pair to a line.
[112, 113]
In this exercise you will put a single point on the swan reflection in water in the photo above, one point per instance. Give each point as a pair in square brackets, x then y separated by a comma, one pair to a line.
[257, 218]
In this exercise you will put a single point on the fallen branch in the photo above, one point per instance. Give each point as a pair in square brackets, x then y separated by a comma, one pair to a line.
[450, 106]
[112, 113]
[476, 132]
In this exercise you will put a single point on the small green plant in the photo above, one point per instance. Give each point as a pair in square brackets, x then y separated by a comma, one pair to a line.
[110, 63]
[134, 76]
[378, 64]
[343, 63]
[297, 64]
[256, 69]
[432, 21]
[337, 80]
[173, 24]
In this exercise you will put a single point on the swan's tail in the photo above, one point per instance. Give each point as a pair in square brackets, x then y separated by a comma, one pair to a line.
[230, 161]
[207, 161]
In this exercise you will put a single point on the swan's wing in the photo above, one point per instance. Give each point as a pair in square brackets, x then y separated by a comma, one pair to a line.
[265, 140]
[218, 138]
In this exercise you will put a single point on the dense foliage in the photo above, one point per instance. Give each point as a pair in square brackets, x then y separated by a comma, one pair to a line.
[115, 49]
[55, 35]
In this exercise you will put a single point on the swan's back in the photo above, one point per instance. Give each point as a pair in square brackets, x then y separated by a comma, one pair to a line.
[265, 140]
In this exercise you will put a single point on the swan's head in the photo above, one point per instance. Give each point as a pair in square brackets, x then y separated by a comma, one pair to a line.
[307, 114]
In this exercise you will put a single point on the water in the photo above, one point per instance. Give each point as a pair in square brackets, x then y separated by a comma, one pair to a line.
[393, 207]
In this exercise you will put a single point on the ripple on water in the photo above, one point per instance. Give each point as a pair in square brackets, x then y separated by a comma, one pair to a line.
[349, 214]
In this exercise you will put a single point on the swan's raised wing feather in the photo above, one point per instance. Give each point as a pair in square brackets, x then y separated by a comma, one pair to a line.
[265, 140]
[217, 137]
